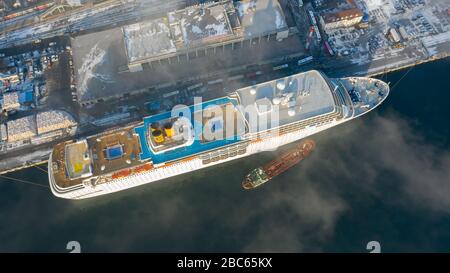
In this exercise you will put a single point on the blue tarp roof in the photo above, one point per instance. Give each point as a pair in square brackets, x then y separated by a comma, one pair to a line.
[365, 18]
[26, 97]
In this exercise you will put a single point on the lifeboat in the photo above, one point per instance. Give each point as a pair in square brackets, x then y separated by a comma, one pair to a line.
[143, 168]
[121, 174]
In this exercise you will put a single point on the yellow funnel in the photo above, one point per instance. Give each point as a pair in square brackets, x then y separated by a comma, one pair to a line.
[158, 136]
[168, 129]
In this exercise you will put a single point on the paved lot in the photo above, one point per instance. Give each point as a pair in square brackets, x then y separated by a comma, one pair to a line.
[97, 63]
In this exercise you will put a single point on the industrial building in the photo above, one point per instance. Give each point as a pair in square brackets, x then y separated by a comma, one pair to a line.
[112, 63]
[201, 27]
[37, 126]
[21, 129]
[8, 76]
[341, 13]
[10, 101]
[53, 120]
[344, 18]
[393, 34]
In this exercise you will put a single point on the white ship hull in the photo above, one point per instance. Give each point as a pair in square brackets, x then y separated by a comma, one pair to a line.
[253, 145]
[182, 167]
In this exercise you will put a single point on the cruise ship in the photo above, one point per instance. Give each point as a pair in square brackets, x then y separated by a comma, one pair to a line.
[250, 120]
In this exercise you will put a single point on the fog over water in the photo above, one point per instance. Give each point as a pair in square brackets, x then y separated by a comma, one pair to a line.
[381, 177]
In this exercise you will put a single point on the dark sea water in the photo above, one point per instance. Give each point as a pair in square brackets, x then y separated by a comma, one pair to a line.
[382, 177]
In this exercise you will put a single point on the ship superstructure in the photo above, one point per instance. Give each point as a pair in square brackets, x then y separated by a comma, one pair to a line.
[256, 118]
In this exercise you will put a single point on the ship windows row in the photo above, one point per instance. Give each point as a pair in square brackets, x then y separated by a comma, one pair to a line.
[297, 126]
[223, 154]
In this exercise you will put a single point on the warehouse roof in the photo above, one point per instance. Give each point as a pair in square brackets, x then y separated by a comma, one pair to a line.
[203, 25]
[260, 17]
[22, 128]
[342, 15]
[200, 24]
[10, 101]
[148, 38]
[53, 120]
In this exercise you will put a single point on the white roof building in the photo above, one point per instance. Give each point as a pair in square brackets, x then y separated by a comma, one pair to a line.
[53, 120]
[148, 38]
[22, 128]
[41, 123]
[10, 101]
[200, 26]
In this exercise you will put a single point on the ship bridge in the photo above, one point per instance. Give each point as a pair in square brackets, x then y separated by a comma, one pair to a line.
[308, 97]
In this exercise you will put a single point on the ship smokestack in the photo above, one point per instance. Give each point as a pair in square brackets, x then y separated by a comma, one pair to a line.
[154, 126]
[158, 136]
[168, 129]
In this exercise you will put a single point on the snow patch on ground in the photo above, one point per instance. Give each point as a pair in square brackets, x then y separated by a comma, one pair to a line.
[196, 30]
[86, 71]
[246, 7]
[12, 162]
[432, 43]
[280, 23]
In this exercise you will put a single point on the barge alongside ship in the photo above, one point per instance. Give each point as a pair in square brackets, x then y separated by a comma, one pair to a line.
[261, 175]
[256, 118]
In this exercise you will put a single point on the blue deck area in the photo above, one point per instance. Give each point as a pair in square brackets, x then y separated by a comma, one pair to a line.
[114, 152]
[181, 152]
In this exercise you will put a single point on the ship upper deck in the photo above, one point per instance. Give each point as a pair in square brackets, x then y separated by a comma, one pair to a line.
[286, 100]
[102, 154]
[114, 151]
[201, 127]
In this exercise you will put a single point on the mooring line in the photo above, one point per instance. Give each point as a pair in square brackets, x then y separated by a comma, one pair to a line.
[36, 166]
[24, 181]
[404, 75]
